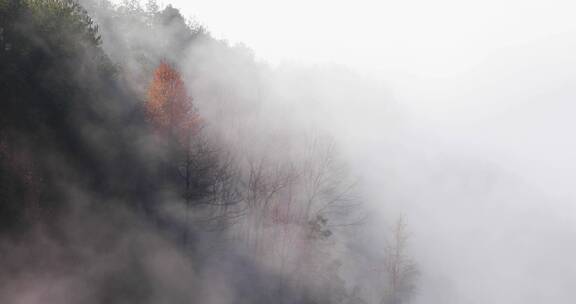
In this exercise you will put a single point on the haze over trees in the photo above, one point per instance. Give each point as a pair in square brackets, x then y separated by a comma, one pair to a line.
[143, 161]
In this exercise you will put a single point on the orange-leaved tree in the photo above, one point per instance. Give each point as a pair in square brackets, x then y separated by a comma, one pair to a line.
[169, 108]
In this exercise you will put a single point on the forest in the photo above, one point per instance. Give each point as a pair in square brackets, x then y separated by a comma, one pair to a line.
[144, 161]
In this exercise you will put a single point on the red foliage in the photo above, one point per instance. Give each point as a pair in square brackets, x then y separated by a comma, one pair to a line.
[169, 108]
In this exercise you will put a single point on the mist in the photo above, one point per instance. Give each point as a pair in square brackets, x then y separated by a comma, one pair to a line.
[462, 121]
[320, 152]
[481, 162]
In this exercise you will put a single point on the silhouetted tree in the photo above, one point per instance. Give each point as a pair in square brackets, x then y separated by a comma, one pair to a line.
[205, 172]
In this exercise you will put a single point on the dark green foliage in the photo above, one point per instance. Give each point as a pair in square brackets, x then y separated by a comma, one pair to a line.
[68, 124]
[56, 87]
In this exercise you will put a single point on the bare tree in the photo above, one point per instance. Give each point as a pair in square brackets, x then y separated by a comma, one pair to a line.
[400, 270]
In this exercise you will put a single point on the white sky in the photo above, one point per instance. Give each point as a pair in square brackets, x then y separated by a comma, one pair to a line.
[409, 36]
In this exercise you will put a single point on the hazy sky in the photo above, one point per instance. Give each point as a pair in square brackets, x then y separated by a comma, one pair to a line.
[412, 36]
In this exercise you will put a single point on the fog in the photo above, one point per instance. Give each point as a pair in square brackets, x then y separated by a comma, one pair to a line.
[464, 124]
[483, 168]
[315, 127]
